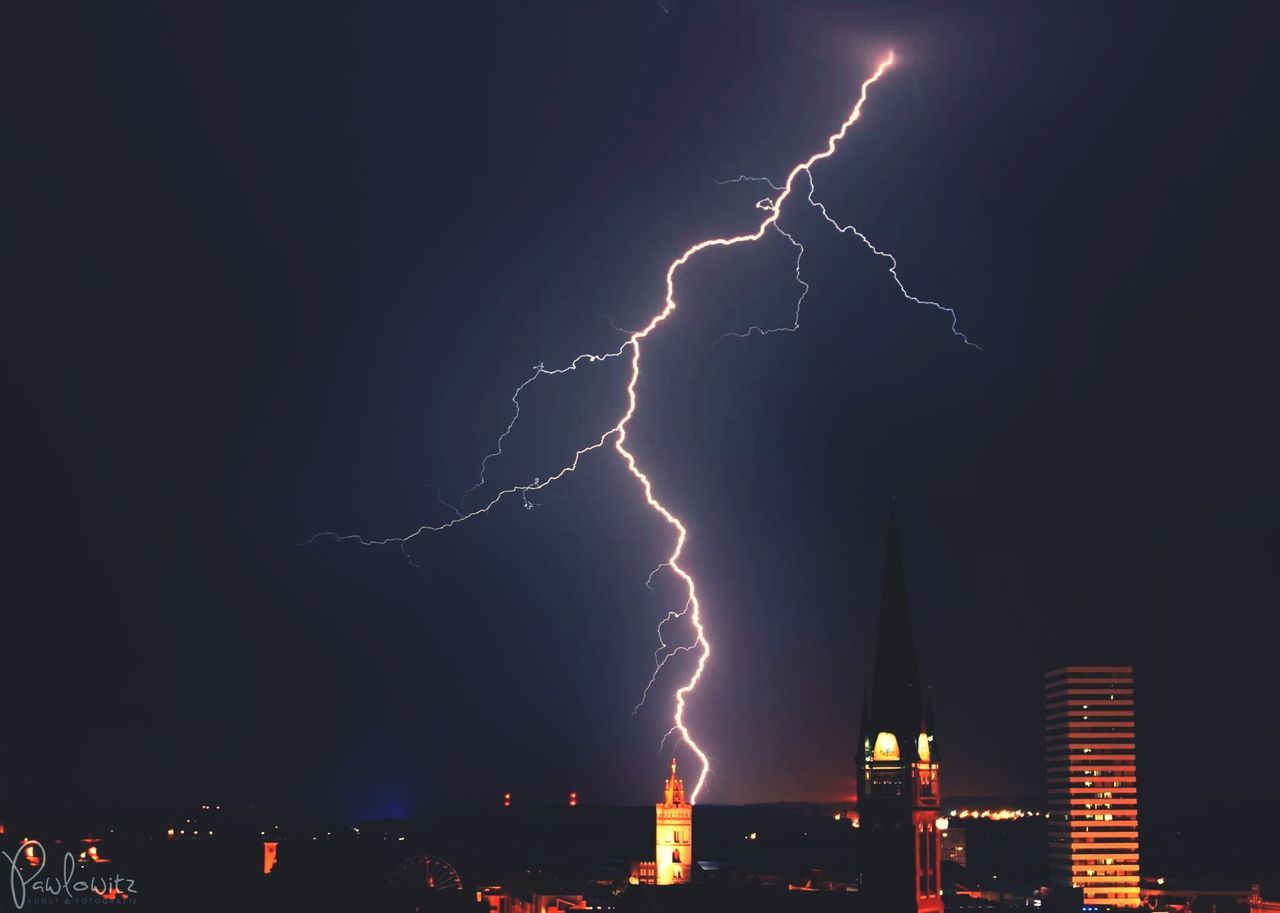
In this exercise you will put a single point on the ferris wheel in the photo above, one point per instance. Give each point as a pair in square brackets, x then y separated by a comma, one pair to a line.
[426, 871]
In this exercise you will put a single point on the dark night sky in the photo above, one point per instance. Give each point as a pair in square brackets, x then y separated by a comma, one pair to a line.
[276, 271]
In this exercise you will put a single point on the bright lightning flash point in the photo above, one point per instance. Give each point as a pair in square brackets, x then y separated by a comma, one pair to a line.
[617, 433]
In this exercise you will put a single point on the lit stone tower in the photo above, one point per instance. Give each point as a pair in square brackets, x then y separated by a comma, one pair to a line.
[675, 833]
[898, 774]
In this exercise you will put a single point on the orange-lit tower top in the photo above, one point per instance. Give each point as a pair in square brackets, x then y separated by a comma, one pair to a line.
[674, 793]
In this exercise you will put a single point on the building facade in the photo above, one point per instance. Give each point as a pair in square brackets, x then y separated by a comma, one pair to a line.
[1092, 783]
[898, 798]
[674, 841]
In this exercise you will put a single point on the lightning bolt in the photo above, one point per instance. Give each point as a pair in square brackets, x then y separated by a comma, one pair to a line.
[700, 645]
[893, 269]
[745, 178]
[539, 370]
[804, 286]
[771, 205]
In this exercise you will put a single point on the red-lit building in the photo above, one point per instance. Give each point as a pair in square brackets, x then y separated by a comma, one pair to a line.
[898, 773]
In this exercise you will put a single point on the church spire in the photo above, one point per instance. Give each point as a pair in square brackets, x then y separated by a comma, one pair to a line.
[898, 800]
[897, 703]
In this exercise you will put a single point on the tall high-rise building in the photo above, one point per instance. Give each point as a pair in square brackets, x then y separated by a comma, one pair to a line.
[674, 842]
[898, 774]
[1092, 783]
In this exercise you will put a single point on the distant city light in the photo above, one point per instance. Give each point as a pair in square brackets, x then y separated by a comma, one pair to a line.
[995, 814]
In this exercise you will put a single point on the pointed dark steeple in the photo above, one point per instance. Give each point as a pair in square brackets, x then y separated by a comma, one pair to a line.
[897, 702]
[899, 798]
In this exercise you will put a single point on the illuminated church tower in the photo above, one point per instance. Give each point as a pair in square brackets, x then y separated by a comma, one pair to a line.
[675, 833]
[898, 773]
